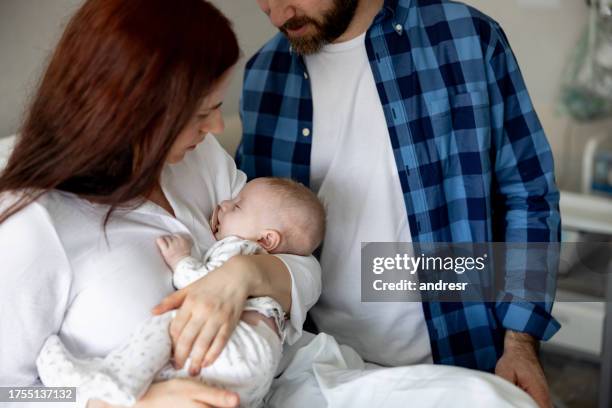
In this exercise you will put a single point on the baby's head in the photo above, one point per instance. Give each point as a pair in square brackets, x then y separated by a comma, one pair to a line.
[281, 215]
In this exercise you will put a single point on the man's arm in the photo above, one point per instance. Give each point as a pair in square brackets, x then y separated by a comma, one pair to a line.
[525, 210]
[525, 199]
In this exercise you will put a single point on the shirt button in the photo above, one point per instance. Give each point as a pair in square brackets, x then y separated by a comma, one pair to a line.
[305, 132]
[306, 75]
[399, 28]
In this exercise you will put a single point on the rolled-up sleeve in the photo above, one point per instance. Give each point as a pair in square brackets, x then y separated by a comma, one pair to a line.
[305, 274]
[526, 199]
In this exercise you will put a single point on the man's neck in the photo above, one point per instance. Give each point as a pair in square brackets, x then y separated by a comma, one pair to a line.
[364, 15]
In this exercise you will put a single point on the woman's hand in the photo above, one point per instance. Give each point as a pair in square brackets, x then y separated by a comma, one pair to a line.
[180, 393]
[210, 309]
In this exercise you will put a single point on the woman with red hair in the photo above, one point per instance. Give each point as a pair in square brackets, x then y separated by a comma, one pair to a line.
[115, 151]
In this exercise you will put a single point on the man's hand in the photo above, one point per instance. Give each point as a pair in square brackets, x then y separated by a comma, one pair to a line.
[520, 365]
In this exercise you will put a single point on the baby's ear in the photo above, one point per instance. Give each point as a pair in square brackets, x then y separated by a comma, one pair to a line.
[269, 240]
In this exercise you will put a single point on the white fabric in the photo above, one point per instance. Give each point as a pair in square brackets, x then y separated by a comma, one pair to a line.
[60, 276]
[6, 146]
[354, 172]
[190, 269]
[246, 365]
[322, 373]
[119, 378]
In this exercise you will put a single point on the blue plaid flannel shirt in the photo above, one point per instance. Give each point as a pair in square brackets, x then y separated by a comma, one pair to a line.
[472, 158]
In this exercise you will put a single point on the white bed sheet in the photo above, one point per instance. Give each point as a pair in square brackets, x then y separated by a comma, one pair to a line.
[320, 373]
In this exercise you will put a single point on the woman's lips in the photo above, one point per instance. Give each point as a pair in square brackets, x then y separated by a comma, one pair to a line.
[193, 146]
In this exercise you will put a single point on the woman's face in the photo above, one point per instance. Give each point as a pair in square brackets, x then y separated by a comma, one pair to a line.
[207, 119]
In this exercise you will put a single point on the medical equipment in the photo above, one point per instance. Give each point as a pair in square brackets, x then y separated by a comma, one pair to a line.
[586, 91]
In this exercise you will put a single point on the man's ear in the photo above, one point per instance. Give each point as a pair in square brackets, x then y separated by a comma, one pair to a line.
[269, 240]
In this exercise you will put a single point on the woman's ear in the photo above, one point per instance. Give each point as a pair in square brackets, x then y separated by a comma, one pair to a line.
[269, 240]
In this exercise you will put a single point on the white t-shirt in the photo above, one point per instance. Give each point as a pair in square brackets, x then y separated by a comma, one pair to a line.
[60, 277]
[354, 172]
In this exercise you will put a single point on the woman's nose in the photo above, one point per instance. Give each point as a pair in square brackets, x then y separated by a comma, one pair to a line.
[215, 124]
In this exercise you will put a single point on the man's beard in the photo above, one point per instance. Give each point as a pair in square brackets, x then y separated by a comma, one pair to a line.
[334, 23]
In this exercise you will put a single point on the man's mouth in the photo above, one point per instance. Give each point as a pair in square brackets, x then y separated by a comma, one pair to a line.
[297, 31]
[296, 26]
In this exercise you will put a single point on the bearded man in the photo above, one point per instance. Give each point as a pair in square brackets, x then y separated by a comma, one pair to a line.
[411, 120]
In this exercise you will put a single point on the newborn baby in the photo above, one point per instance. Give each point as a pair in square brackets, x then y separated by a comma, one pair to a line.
[269, 215]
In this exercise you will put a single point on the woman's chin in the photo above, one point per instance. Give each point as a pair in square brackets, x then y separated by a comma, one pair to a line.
[176, 158]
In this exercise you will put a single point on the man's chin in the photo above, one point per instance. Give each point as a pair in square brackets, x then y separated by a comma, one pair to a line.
[305, 45]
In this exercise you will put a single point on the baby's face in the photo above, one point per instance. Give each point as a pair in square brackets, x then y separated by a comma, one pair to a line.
[247, 215]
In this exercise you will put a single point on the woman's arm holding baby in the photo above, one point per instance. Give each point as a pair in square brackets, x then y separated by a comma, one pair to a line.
[267, 275]
[180, 393]
[211, 307]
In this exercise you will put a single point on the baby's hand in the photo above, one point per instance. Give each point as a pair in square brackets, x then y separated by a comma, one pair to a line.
[174, 248]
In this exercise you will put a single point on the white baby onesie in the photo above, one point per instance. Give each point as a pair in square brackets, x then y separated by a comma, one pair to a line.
[246, 365]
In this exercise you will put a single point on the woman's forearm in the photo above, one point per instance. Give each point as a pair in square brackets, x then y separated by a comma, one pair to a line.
[266, 275]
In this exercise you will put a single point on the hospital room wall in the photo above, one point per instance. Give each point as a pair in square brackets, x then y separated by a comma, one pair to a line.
[542, 33]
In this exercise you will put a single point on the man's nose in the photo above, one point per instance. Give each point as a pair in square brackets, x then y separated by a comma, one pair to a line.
[264, 5]
[279, 11]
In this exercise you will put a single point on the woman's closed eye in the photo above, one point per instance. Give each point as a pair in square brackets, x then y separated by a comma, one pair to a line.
[206, 113]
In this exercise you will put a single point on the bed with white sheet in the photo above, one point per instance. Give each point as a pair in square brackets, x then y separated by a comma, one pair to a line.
[320, 373]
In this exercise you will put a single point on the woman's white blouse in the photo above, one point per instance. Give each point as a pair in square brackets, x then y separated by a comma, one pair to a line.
[61, 274]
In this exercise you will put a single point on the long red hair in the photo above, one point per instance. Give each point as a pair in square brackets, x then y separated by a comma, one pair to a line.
[124, 80]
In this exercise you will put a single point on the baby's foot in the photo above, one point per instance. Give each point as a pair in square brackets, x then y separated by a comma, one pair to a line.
[174, 248]
[57, 367]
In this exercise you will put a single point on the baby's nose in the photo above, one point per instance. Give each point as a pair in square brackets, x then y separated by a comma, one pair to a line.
[226, 205]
